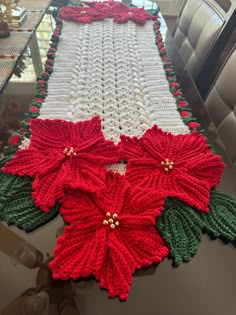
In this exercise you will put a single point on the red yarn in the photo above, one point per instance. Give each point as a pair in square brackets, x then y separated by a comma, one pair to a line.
[182, 103]
[101, 10]
[182, 165]
[193, 124]
[110, 8]
[185, 114]
[81, 14]
[34, 109]
[61, 155]
[137, 15]
[91, 246]
[15, 140]
[174, 84]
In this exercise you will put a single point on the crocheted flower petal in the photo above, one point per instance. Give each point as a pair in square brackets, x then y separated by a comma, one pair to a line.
[86, 175]
[104, 152]
[122, 18]
[181, 228]
[131, 147]
[146, 176]
[80, 252]
[113, 197]
[48, 189]
[160, 144]
[132, 249]
[191, 190]
[78, 205]
[31, 162]
[141, 202]
[207, 167]
[58, 134]
[48, 135]
[139, 19]
[83, 19]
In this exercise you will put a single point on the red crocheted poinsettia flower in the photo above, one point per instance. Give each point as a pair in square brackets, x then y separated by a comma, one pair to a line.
[111, 236]
[81, 14]
[181, 166]
[63, 154]
[109, 7]
[137, 15]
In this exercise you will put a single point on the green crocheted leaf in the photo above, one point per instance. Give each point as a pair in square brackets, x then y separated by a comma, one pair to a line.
[17, 205]
[181, 228]
[221, 219]
[4, 160]
[22, 212]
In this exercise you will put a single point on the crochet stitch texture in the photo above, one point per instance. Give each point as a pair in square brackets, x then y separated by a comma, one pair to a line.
[113, 71]
[112, 233]
[100, 11]
[181, 166]
[64, 155]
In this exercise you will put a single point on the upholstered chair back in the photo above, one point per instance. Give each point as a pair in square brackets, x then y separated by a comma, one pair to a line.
[201, 33]
[221, 105]
[197, 30]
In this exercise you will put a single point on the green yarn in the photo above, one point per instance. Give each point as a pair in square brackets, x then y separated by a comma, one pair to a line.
[182, 226]
[181, 229]
[221, 220]
[17, 205]
[22, 212]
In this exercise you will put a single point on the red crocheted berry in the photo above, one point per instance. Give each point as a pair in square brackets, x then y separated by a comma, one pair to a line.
[176, 93]
[193, 125]
[185, 114]
[182, 103]
[34, 109]
[174, 84]
[15, 140]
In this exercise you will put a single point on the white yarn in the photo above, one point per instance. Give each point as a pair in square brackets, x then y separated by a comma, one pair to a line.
[112, 70]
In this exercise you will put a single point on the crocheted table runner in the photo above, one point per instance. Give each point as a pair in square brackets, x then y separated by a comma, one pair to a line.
[115, 150]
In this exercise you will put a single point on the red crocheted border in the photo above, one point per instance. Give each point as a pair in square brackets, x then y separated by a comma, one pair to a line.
[181, 103]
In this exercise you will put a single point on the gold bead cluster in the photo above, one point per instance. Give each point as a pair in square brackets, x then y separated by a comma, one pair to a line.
[69, 151]
[168, 165]
[111, 220]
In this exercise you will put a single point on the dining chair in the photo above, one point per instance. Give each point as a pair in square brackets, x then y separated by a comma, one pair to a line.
[201, 31]
[221, 104]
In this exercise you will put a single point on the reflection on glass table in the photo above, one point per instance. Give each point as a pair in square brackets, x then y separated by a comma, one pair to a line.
[21, 89]
[15, 100]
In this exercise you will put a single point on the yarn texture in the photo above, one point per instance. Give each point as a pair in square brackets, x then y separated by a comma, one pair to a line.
[100, 11]
[181, 166]
[112, 234]
[98, 145]
[182, 226]
[62, 155]
[16, 204]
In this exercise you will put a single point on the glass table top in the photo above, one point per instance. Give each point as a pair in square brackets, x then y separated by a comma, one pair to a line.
[14, 243]
[158, 290]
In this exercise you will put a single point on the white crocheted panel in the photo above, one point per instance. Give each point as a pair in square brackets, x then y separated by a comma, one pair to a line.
[112, 70]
